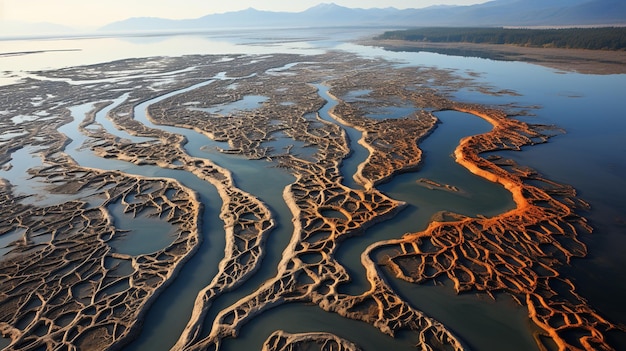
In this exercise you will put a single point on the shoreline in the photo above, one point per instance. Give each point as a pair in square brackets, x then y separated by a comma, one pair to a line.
[569, 60]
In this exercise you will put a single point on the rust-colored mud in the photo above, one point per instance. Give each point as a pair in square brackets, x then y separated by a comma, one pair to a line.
[518, 252]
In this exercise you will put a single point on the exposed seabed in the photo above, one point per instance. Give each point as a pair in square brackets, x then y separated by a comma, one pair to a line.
[77, 271]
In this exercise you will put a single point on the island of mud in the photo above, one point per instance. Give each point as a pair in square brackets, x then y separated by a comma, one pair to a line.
[71, 281]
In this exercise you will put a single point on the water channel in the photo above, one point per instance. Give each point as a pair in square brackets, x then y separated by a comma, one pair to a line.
[478, 315]
[168, 315]
[358, 154]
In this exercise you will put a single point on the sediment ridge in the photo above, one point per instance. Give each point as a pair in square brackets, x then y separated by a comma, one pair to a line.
[518, 252]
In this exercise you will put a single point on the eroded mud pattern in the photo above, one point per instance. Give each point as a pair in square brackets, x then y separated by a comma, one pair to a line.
[66, 286]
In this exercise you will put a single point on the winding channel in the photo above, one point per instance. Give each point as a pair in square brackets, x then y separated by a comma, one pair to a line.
[358, 154]
[202, 266]
[476, 196]
[168, 315]
[471, 312]
[481, 322]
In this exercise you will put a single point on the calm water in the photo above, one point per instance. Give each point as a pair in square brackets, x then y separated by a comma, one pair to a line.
[589, 156]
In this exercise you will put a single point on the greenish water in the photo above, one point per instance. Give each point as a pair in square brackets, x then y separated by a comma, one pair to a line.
[141, 234]
[479, 196]
[482, 323]
[471, 316]
[358, 153]
[166, 319]
[176, 301]
[169, 313]
[297, 317]
[476, 196]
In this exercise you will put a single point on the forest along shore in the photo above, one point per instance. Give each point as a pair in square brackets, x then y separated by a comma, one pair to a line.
[567, 59]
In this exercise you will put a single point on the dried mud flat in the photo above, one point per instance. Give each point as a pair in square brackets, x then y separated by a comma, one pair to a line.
[65, 286]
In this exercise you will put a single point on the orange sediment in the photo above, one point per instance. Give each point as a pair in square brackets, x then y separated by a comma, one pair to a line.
[518, 252]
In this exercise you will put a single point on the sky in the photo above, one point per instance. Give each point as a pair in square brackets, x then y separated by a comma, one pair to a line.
[91, 14]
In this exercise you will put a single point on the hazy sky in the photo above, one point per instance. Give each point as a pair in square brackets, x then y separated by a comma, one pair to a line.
[90, 13]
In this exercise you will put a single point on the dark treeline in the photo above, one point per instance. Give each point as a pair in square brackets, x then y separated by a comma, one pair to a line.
[608, 38]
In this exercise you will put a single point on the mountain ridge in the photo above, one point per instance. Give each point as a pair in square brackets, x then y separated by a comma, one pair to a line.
[492, 13]
[496, 13]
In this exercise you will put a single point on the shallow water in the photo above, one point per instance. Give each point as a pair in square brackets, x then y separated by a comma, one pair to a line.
[103, 119]
[392, 112]
[141, 234]
[177, 300]
[493, 316]
[248, 102]
[358, 153]
[469, 316]
[297, 317]
[478, 196]
[471, 125]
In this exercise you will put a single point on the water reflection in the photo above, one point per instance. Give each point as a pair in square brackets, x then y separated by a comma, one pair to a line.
[139, 234]
[248, 102]
[53, 53]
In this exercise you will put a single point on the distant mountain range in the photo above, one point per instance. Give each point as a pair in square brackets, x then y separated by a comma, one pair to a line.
[497, 13]
[493, 13]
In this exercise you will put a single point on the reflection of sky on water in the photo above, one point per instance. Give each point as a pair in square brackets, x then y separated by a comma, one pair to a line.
[587, 106]
[108, 125]
[248, 102]
[282, 143]
[91, 50]
[97, 50]
[392, 112]
[8, 238]
[356, 95]
[12, 135]
[35, 188]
